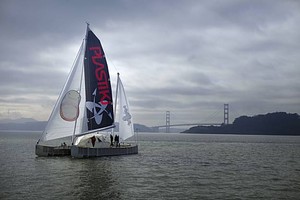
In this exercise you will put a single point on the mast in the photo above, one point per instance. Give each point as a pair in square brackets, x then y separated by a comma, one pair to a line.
[87, 29]
[117, 90]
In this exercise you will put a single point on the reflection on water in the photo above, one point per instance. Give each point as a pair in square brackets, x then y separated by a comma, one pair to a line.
[96, 179]
[80, 178]
[173, 166]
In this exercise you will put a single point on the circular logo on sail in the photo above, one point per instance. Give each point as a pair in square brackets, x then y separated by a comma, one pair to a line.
[69, 106]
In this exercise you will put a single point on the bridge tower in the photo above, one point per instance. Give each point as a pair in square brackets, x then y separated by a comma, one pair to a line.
[167, 121]
[226, 114]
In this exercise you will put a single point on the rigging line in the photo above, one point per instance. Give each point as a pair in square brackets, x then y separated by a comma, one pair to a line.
[112, 62]
[116, 98]
[212, 116]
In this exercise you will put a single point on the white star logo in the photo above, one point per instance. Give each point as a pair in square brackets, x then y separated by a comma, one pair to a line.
[97, 109]
[126, 116]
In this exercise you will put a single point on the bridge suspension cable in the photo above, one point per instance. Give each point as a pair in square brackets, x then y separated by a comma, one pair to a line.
[212, 117]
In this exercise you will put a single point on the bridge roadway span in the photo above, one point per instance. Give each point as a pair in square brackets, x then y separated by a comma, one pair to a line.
[192, 124]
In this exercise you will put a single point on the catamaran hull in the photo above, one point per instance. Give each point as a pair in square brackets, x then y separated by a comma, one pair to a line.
[83, 152]
[45, 151]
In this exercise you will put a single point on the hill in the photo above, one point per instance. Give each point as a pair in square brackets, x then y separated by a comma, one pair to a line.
[22, 124]
[278, 123]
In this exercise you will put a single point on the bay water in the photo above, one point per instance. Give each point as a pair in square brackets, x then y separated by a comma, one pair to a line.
[168, 166]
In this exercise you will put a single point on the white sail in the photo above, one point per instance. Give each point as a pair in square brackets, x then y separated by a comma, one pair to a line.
[63, 117]
[124, 114]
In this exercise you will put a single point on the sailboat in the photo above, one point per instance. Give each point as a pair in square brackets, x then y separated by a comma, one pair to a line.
[84, 112]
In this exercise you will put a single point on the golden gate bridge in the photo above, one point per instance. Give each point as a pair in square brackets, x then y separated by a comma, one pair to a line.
[168, 121]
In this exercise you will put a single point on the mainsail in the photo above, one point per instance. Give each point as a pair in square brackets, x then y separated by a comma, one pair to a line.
[97, 85]
[85, 104]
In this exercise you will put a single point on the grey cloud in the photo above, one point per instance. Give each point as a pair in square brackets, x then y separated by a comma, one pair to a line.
[189, 57]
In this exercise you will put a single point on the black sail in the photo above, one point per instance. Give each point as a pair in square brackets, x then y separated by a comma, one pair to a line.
[99, 102]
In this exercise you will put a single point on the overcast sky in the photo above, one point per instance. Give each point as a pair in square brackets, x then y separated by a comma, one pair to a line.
[187, 57]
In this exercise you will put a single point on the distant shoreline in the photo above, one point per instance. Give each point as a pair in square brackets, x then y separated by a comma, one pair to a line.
[278, 123]
[254, 134]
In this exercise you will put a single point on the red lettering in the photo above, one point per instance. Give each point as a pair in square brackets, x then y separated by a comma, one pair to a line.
[97, 51]
[101, 76]
[103, 85]
[98, 55]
